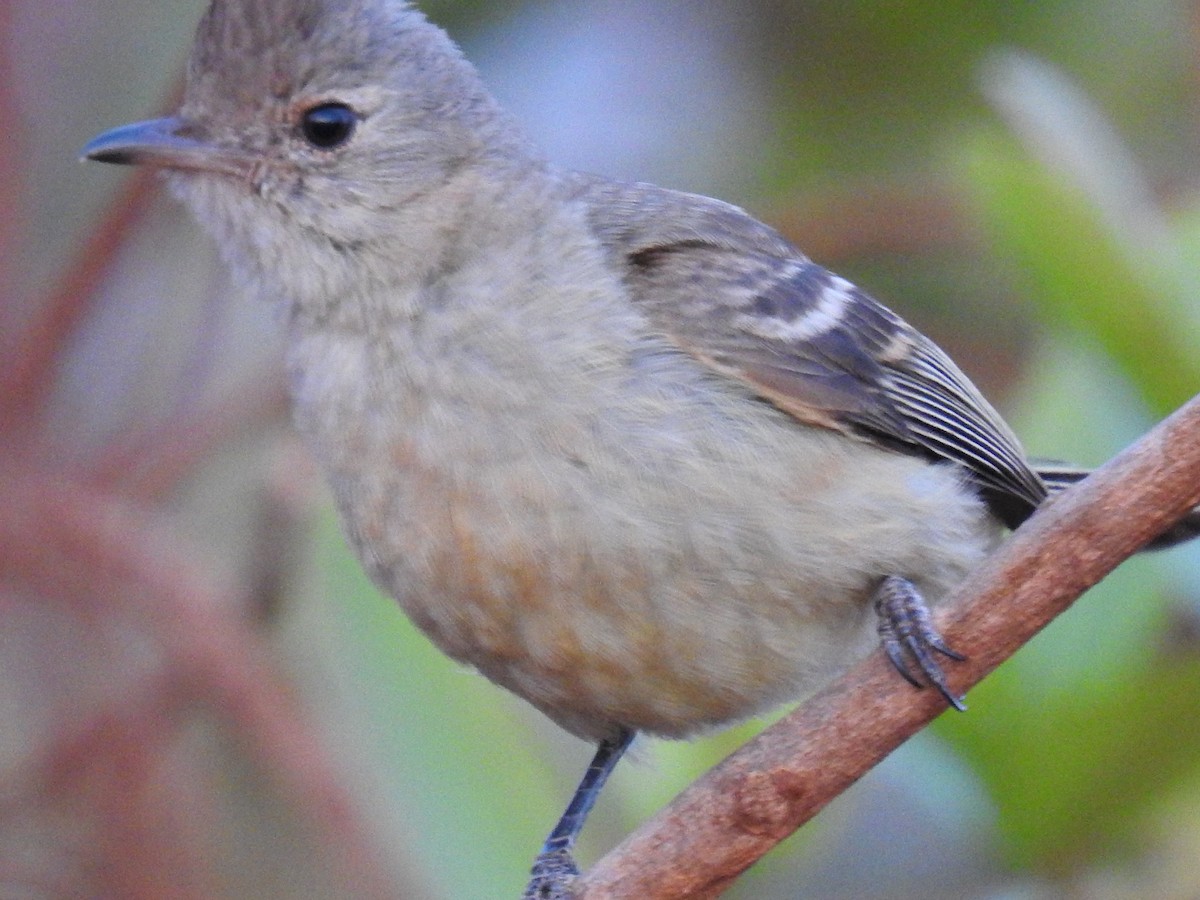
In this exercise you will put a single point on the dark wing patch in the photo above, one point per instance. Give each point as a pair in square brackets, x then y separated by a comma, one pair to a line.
[827, 353]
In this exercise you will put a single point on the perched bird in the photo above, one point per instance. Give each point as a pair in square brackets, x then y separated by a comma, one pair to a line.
[624, 450]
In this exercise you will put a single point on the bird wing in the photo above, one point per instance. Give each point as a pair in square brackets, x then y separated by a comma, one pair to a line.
[813, 344]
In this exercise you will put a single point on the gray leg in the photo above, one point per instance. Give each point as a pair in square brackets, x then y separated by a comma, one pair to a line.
[555, 869]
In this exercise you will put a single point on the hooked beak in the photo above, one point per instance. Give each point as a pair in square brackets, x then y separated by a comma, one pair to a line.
[165, 143]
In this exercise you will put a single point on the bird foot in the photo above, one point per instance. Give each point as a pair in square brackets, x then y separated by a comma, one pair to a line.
[552, 875]
[909, 638]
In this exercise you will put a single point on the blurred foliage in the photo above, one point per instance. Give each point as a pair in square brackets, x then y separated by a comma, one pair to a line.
[1081, 738]
[1068, 299]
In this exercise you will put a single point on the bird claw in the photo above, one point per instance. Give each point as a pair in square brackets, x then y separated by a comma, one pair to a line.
[909, 638]
[551, 876]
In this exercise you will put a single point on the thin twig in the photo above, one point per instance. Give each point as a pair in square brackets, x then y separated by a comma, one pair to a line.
[735, 813]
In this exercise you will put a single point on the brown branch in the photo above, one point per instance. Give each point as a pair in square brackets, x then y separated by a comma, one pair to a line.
[735, 813]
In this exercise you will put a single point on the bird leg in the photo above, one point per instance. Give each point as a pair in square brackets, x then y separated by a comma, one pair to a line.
[554, 869]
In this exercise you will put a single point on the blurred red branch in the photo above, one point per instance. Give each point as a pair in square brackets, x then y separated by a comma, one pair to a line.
[27, 375]
[149, 463]
[82, 548]
[12, 181]
[31, 352]
[67, 542]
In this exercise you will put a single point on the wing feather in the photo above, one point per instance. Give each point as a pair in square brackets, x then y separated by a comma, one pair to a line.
[829, 354]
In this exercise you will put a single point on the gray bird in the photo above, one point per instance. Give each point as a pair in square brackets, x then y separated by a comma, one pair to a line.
[624, 450]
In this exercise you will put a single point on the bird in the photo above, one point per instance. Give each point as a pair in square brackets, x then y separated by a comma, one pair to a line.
[624, 450]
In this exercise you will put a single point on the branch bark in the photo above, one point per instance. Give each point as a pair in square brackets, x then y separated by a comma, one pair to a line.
[739, 810]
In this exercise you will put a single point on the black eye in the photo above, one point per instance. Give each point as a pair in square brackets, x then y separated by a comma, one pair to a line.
[329, 125]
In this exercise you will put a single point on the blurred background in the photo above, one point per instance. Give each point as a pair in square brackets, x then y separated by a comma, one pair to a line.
[202, 696]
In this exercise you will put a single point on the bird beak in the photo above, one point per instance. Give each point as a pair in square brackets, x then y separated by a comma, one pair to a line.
[165, 143]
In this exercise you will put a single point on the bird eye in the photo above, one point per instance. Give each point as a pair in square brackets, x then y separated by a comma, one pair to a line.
[328, 125]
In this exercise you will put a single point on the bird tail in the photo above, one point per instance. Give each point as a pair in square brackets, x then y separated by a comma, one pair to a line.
[1059, 476]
